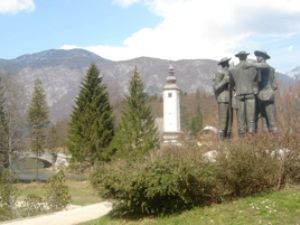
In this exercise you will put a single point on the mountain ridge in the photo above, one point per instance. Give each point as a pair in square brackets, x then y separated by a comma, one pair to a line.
[62, 71]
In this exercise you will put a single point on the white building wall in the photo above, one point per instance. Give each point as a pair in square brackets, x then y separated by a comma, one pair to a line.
[171, 110]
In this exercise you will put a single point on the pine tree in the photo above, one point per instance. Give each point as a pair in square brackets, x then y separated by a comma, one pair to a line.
[7, 195]
[3, 133]
[137, 133]
[38, 118]
[196, 121]
[38, 121]
[91, 126]
[7, 190]
[57, 192]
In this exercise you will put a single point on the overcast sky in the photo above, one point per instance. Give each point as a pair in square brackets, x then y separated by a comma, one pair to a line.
[169, 29]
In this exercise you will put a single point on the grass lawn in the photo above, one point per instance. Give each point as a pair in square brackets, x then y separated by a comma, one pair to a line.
[81, 191]
[277, 208]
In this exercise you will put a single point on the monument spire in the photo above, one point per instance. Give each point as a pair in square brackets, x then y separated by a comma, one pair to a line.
[171, 96]
[171, 79]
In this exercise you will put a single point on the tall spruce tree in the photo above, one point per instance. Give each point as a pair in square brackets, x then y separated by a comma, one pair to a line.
[38, 121]
[137, 133]
[91, 126]
[4, 132]
[38, 118]
[7, 189]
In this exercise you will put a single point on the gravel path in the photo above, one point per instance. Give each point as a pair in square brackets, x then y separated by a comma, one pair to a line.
[67, 217]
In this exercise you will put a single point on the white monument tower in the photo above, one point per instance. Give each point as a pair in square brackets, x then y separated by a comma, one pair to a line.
[171, 97]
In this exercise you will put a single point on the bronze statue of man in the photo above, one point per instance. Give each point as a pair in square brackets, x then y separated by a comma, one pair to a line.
[245, 82]
[222, 89]
[266, 95]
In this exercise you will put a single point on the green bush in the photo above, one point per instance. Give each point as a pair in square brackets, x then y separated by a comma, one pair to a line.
[173, 179]
[58, 195]
[291, 161]
[292, 167]
[157, 185]
[7, 195]
[248, 167]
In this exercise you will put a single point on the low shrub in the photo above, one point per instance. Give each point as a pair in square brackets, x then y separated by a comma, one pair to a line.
[174, 178]
[290, 143]
[292, 167]
[247, 167]
[157, 185]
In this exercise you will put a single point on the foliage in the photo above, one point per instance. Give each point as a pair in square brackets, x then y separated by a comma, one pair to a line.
[34, 205]
[159, 185]
[169, 180]
[4, 144]
[292, 166]
[137, 132]
[248, 167]
[7, 195]
[193, 115]
[38, 118]
[58, 195]
[91, 126]
[196, 122]
[57, 134]
[291, 160]
[15, 112]
[7, 191]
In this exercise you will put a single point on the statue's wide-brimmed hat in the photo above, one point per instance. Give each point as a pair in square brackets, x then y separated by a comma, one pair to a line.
[242, 53]
[224, 60]
[262, 54]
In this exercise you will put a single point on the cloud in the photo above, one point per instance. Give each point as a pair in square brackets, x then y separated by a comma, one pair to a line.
[290, 48]
[15, 6]
[125, 3]
[206, 29]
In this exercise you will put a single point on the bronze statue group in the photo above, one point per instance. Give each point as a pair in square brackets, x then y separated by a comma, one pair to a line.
[247, 90]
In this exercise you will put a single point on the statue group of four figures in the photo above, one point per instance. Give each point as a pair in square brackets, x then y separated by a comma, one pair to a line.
[248, 89]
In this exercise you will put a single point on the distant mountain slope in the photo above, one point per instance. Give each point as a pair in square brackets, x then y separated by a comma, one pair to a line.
[74, 59]
[62, 71]
[295, 73]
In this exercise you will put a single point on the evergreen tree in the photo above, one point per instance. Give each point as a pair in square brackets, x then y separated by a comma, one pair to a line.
[7, 195]
[3, 133]
[38, 121]
[137, 133]
[196, 122]
[91, 126]
[38, 118]
[57, 192]
[7, 190]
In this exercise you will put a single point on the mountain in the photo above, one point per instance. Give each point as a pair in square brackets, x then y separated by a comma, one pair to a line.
[62, 71]
[295, 73]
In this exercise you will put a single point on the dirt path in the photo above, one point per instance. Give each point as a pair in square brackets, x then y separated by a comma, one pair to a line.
[67, 217]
